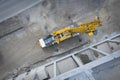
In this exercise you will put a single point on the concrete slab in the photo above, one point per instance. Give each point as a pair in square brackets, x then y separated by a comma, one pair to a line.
[108, 71]
[50, 69]
[81, 76]
[70, 64]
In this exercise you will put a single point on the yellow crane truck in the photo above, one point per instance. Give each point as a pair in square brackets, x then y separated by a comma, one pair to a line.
[90, 28]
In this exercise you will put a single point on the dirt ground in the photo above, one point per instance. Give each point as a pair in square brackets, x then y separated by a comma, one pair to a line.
[19, 35]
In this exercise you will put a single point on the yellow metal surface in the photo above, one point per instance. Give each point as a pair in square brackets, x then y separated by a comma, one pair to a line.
[90, 34]
[60, 31]
[88, 28]
[62, 36]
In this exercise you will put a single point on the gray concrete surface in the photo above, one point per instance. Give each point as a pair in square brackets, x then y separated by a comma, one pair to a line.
[9, 8]
[81, 76]
[21, 48]
[108, 71]
[9, 26]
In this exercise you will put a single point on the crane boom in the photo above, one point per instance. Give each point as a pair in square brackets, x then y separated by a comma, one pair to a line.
[58, 36]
